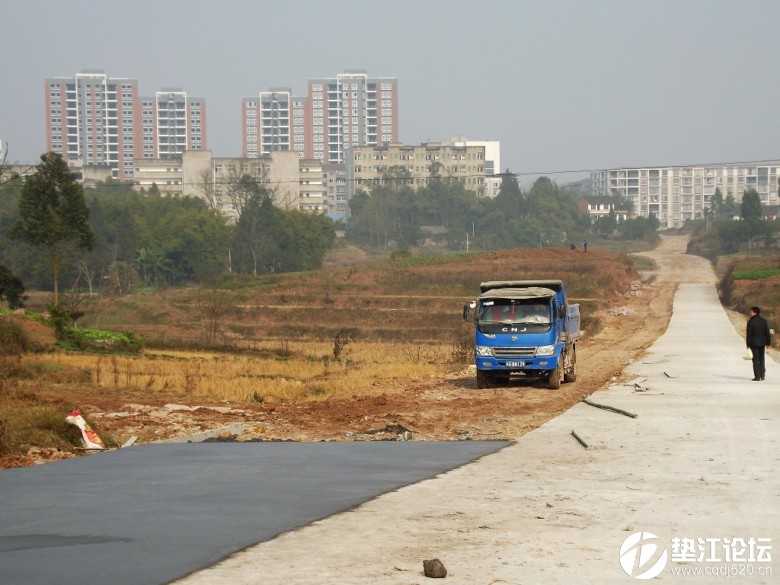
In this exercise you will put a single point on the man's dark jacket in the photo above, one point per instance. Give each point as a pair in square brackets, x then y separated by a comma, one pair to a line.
[757, 332]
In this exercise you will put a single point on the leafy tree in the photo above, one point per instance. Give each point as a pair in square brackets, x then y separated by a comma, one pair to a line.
[733, 234]
[254, 238]
[750, 210]
[639, 228]
[717, 203]
[53, 214]
[303, 240]
[606, 225]
[510, 199]
[730, 207]
[154, 264]
[554, 209]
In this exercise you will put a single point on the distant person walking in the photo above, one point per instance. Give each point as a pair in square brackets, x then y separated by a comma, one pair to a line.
[758, 338]
[585, 246]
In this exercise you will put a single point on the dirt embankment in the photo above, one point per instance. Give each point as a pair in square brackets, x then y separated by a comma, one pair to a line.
[445, 409]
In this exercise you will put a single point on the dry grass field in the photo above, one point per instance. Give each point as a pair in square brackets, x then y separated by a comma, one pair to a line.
[362, 351]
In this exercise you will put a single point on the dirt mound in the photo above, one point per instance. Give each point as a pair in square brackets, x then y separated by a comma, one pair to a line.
[40, 337]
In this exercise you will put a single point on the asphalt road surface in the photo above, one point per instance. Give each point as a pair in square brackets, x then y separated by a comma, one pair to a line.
[155, 513]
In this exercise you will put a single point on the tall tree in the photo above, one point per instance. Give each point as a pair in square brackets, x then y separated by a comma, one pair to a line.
[254, 238]
[729, 206]
[717, 203]
[53, 213]
[751, 206]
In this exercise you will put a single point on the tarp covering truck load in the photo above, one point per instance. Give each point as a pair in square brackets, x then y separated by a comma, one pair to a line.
[524, 327]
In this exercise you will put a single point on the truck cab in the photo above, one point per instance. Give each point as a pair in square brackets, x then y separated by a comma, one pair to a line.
[525, 328]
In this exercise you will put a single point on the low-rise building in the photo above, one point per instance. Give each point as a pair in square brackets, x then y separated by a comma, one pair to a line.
[598, 206]
[676, 194]
[165, 174]
[367, 166]
[292, 183]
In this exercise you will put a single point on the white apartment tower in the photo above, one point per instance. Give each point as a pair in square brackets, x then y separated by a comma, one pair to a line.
[348, 111]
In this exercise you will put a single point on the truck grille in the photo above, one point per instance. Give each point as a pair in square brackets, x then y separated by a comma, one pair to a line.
[524, 352]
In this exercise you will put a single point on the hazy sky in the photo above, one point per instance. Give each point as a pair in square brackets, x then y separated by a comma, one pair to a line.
[563, 84]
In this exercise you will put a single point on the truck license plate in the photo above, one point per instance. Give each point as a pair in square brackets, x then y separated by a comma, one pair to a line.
[515, 364]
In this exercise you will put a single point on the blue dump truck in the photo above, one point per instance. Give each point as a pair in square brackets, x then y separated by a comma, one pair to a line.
[526, 328]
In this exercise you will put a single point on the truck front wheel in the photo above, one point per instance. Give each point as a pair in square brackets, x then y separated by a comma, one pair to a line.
[556, 375]
[570, 373]
[483, 379]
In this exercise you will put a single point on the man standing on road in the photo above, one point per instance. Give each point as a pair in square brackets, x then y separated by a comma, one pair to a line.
[757, 339]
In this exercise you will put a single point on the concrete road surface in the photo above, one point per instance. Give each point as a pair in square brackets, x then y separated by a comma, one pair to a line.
[691, 484]
[154, 513]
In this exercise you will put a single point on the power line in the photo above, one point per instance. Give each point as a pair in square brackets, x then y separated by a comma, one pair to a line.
[428, 179]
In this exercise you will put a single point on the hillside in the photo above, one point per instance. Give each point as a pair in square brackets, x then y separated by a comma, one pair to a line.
[415, 299]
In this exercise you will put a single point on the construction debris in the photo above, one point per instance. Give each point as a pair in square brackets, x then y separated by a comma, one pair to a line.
[634, 289]
[580, 440]
[610, 408]
[91, 439]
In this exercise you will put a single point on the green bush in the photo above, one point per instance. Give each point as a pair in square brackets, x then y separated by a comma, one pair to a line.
[756, 274]
[99, 341]
[60, 319]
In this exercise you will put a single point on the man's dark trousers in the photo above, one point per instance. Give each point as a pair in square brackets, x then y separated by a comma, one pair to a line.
[759, 365]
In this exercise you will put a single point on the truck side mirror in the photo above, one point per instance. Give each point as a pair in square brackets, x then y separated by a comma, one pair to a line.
[467, 308]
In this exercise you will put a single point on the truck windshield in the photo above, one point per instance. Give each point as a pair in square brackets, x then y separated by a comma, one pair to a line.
[514, 312]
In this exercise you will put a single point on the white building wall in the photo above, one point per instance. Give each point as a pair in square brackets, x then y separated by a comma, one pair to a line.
[676, 195]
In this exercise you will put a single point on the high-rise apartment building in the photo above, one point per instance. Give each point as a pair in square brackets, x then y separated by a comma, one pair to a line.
[171, 123]
[679, 194]
[349, 110]
[94, 119]
[273, 121]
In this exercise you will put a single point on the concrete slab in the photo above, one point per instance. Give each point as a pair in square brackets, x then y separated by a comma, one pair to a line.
[700, 461]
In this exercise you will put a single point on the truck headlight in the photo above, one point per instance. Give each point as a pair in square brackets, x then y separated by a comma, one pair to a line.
[545, 350]
[484, 351]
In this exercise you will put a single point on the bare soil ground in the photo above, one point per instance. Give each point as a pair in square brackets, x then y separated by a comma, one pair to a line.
[451, 408]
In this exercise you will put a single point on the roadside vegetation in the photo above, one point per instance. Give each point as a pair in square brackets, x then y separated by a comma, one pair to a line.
[744, 247]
